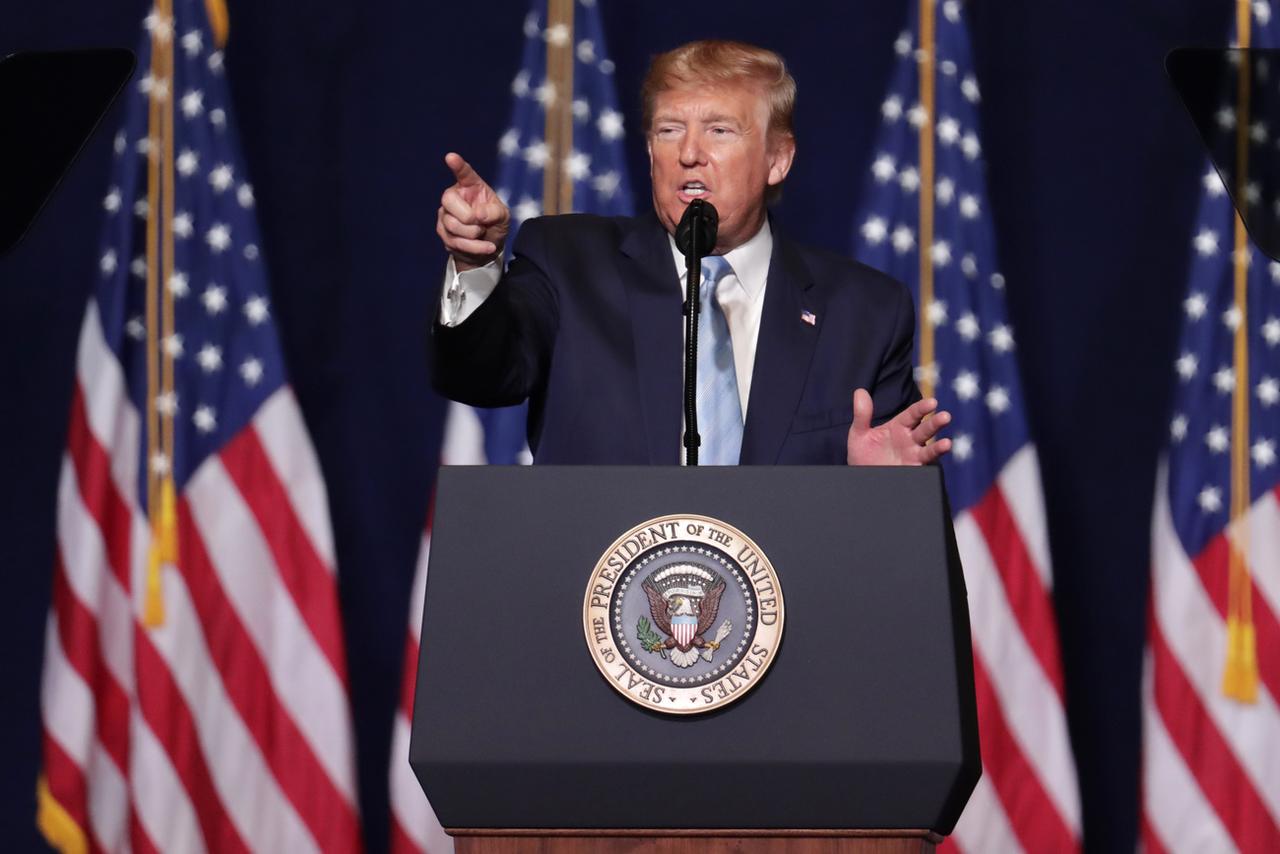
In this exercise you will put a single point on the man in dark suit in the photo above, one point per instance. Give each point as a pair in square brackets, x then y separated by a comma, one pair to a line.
[586, 323]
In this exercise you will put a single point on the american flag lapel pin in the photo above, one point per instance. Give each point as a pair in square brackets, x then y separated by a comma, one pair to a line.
[809, 317]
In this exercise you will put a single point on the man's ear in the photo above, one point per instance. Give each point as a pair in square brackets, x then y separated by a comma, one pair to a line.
[781, 153]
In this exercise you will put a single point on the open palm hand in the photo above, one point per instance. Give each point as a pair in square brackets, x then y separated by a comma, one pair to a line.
[903, 440]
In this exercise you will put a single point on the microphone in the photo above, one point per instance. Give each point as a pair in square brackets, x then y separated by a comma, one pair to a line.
[695, 238]
[696, 233]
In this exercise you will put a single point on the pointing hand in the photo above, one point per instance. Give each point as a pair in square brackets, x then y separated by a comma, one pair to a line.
[472, 221]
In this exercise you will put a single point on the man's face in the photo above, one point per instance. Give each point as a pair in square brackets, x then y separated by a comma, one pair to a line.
[713, 144]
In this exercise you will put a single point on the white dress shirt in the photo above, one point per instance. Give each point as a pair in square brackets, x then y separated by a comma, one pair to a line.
[741, 297]
[740, 294]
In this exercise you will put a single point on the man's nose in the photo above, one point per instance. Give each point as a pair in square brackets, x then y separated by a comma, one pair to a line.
[692, 152]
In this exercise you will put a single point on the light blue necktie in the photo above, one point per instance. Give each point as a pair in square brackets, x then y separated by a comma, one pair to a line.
[719, 409]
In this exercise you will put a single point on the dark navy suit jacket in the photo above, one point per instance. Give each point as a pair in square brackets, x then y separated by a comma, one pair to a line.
[586, 324]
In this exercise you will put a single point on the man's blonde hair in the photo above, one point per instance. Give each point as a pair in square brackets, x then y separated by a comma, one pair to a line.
[713, 62]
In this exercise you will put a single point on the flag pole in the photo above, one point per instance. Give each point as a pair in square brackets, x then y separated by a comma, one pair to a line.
[219, 23]
[168, 492]
[557, 183]
[160, 497]
[1240, 672]
[926, 63]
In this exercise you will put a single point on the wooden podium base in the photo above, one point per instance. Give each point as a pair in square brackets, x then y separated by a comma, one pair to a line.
[589, 841]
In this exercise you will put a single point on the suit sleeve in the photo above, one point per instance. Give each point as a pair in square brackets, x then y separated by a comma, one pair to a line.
[500, 354]
[896, 388]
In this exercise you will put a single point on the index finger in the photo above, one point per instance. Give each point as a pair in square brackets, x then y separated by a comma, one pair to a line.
[462, 171]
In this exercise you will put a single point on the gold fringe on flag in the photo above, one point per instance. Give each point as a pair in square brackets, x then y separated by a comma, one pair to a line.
[1240, 672]
[59, 829]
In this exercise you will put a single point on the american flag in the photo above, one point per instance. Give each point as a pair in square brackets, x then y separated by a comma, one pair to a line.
[1211, 752]
[594, 158]
[594, 161]
[195, 690]
[1027, 798]
[471, 437]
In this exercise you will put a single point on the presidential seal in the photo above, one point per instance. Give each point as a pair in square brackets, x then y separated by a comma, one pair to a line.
[683, 614]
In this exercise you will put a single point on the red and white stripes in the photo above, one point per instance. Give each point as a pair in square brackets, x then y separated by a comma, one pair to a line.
[1027, 799]
[1211, 765]
[414, 827]
[227, 727]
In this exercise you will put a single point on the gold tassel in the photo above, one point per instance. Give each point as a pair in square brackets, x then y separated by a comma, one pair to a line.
[1240, 674]
[168, 522]
[218, 20]
[153, 601]
[163, 550]
[56, 824]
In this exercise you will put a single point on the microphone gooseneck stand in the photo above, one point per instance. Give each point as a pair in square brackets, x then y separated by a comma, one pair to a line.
[695, 238]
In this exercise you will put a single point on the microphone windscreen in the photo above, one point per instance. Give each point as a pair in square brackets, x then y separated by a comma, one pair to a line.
[699, 225]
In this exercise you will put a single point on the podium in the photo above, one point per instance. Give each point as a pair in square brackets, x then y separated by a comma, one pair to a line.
[860, 734]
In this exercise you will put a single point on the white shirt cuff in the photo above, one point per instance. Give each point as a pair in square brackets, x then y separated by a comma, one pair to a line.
[465, 291]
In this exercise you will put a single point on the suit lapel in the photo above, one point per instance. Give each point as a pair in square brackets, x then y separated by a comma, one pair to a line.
[653, 291]
[783, 354]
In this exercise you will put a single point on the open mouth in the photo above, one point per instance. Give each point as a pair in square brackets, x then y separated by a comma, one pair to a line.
[691, 190]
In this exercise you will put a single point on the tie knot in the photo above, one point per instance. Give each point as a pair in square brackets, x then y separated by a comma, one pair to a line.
[714, 268]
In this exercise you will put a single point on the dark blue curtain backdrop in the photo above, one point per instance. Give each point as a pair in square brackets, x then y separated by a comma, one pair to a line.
[347, 109]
